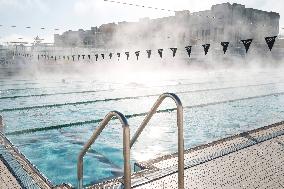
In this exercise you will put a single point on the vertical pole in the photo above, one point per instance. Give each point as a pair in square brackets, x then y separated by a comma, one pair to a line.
[1, 125]
[180, 147]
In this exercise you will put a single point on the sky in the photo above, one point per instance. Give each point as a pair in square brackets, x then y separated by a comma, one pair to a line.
[75, 14]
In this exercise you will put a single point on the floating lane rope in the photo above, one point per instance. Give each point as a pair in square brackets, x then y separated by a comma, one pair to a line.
[33, 130]
[123, 98]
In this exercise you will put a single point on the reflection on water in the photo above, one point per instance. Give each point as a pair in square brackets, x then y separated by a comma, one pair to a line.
[47, 103]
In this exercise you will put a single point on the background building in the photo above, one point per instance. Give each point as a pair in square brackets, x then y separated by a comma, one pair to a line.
[224, 22]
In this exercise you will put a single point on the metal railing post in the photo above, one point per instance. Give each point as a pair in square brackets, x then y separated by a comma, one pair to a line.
[1, 125]
[126, 148]
[180, 131]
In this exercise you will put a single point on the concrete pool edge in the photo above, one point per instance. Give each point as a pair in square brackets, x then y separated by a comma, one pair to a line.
[152, 167]
[25, 173]
[149, 171]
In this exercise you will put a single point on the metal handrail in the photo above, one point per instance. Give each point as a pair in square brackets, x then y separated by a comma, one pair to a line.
[180, 131]
[126, 148]
[1, 124]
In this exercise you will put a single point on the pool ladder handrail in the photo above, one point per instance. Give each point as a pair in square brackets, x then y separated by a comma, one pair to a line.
[126, 148]
[1, 124]
[180, 131]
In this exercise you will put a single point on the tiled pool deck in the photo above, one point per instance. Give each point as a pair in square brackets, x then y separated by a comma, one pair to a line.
[253, 159]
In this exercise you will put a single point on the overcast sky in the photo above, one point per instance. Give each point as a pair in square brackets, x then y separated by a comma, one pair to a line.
[75, 14]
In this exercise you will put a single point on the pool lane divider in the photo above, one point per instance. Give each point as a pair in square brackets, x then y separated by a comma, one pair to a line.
[94, 91]
[33, 130]
[122, 98]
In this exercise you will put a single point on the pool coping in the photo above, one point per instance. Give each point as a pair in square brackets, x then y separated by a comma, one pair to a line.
[31, 170]
[147, 167]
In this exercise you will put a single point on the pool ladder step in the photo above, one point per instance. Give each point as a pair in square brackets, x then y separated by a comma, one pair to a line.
[127, 143]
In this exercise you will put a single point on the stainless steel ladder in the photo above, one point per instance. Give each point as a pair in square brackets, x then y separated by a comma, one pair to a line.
[127, 144]
[126, 148]
[180, 131]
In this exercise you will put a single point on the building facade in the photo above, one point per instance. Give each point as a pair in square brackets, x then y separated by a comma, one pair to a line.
[224, 22]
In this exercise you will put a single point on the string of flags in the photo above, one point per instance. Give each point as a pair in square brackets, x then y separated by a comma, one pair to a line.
[247, 43]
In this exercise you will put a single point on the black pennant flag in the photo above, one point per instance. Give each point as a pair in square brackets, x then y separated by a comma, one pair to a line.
[110, 55]
[137, 54]
[103, 56]
[149, 53]
[206, 48]
[174, 51]
[188, 49]
[83, 56]
[118, 55]
[89, 56]
[38, 57]
[270, 42]
[73, 56]
[97, 56]
[127, 55]
[78, 57]
[160, 51]
[55, 58]
[225, 46]
[247, 44]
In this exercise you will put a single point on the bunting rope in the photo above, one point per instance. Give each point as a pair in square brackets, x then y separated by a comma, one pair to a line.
[246, 43]
[141, 6]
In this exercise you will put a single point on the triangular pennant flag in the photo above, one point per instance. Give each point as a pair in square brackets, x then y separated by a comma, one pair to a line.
[73, 56]
[225, 46]
[103, 56]
[83, 56]
[188, 50]
[110, 55]
[118, 55]
[270, 42]
[97, 56]
[174, 51]
[67, 57]
[38, 57]
[127, 55]
[206, 48]
[78, 57]
[160, 51]
[247, 44]
[137, 54]
[55, 58]
[149, 53]
[89, 56]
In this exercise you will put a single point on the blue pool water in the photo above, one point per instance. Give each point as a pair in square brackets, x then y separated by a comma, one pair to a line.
[64, 111]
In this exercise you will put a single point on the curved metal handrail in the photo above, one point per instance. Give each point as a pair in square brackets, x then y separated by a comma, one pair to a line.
[180, 131]
[126, 148]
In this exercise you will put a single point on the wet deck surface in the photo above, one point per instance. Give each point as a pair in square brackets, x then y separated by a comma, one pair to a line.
[249, 160]
[7, 180]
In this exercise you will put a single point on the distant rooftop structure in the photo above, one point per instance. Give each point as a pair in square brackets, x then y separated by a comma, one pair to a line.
[223, 22]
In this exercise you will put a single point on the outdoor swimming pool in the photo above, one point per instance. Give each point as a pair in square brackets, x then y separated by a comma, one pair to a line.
[49, 119]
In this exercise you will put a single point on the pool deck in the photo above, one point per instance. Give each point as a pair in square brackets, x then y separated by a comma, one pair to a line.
[253, 159]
